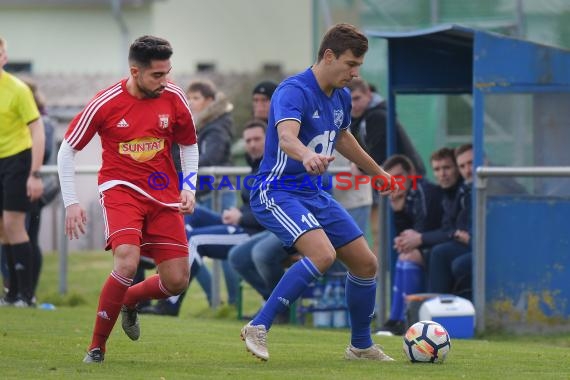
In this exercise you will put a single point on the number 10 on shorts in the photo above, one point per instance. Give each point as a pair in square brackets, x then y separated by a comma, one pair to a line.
[310, 220]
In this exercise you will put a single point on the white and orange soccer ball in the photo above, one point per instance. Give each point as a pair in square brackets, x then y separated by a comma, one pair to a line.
[427, 342]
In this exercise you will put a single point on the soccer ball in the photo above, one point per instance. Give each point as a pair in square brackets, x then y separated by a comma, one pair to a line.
[426, 342]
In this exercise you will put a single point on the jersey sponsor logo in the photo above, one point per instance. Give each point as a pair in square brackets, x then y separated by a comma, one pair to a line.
[338, 117]
[142, 149]
[122, 124]
[323, 143]
[316, 115]
[163, 120]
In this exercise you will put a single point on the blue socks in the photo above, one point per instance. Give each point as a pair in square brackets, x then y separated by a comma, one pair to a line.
[360, 298]
[408, 279]
[297, 278]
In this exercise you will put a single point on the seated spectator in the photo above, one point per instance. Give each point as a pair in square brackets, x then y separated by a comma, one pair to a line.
[260, 262]
[417, 208]
[218, 233]
[414, 245]
[449, 264]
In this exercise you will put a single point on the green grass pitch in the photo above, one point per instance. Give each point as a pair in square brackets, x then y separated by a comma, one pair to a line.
[201, 344]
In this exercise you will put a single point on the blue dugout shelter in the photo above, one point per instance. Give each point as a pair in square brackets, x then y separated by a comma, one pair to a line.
[519, 94]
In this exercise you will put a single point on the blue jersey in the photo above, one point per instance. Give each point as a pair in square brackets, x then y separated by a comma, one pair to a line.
[286, 199]
[321, 117]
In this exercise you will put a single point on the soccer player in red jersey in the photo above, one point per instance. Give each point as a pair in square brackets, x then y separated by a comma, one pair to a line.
[138, 120]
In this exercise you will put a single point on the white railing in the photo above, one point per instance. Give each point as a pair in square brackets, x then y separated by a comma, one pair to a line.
[215, 171]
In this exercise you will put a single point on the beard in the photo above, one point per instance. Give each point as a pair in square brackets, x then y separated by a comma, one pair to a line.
[149, 93]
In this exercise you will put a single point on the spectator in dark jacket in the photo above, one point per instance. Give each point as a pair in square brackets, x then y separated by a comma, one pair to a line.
[417, 208]
[212, 117]
[410, 241]
[213, 235]
[450, 262]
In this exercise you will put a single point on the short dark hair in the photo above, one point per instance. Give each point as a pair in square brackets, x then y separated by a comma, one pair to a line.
[463, 148]
[205, 87]
[358, 84]
[443, 153]
[255, 123]
[343, 37]
[399, 159]
[147, 48]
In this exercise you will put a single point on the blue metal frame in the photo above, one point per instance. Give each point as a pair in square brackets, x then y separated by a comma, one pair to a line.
[452, 59]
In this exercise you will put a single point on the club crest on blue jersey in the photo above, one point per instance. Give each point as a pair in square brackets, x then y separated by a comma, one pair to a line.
[338, 118]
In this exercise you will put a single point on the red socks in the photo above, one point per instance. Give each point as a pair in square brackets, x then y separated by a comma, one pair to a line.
[151, 288]
[110, 302]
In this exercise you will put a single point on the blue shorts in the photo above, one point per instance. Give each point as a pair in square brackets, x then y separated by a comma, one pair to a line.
[290, 215]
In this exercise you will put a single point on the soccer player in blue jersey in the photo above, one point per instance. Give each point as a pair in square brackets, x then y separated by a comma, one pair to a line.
[308, 119]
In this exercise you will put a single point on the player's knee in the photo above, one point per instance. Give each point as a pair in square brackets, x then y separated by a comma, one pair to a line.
[125, 267]
[324, 261]
[177, 283]
[329, 259]
[370, 266]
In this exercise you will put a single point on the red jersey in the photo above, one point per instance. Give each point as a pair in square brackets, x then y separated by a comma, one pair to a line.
[136, 136]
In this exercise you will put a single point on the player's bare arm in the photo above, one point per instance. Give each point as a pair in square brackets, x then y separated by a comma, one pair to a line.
[289, 142]
[347, 145]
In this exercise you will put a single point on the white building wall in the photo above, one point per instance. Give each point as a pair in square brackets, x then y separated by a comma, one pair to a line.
[236, 35]
[70, 40]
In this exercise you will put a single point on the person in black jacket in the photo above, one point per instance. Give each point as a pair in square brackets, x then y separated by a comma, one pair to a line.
[417, 208]
[415, 244]
[212, 112]
[213, 235]
[369, 126]
[450, 262]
